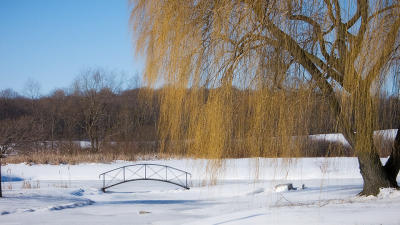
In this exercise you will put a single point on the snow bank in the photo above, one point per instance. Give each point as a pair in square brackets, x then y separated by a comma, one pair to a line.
[389, 134]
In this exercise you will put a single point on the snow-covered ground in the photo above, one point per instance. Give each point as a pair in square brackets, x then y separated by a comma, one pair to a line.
[244, 193]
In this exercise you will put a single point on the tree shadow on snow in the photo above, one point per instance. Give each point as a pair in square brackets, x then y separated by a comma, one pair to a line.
[9, 178]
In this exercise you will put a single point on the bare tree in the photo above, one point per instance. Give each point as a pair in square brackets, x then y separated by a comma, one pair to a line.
[95, 86]
[343, 50]
[32, 89]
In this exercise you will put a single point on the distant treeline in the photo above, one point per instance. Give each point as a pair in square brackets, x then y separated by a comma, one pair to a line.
[111, 118]
[97, 117]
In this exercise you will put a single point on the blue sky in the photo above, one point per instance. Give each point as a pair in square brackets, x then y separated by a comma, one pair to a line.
[52, 41]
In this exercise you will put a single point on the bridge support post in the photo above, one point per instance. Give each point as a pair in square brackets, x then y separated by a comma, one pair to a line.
[124, 172]
[104, 183]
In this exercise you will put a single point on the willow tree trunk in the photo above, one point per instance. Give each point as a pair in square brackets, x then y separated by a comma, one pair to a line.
[374, 174]
[392, 166]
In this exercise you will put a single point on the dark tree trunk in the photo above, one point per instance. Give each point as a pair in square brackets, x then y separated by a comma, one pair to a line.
[392, 166]
[97, 144]
[374, 174]
[92, 144]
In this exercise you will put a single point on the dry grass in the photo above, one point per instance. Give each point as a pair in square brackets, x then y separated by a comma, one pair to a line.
[55, 158]
[26, 184]
[305, 147]
[58, 158]
[74, 154]
[323, 148]
[383, 145]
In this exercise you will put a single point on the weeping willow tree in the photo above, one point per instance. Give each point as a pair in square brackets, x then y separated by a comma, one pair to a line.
[240, 75]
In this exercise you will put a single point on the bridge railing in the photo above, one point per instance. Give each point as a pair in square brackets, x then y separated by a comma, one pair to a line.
[145, 171]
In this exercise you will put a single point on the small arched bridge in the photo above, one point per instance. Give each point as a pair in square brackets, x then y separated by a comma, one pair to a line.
[145, 171]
